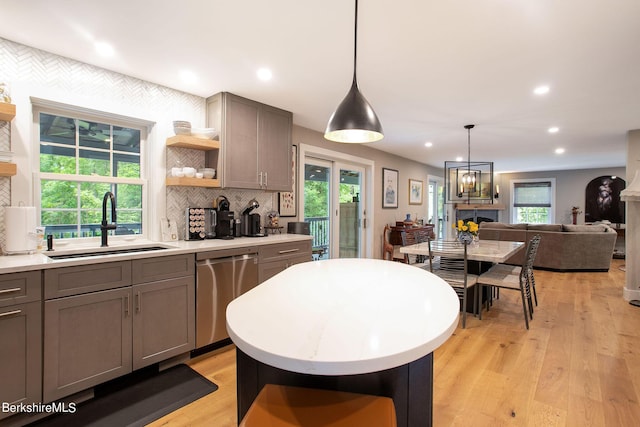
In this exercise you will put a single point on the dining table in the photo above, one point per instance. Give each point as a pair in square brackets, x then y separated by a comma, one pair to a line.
[356, 325]
[485, 253]
[489, 251]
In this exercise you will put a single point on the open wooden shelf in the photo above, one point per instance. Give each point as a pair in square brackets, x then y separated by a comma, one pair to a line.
[8, 169]
[7, 111]
[193, 182]
[184, 141]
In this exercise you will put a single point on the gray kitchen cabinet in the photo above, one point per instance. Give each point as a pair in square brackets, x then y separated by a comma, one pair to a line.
[272, 259]
[163, 307]
[93, 334]
[20, 338]
[87, 341]
[255, 143]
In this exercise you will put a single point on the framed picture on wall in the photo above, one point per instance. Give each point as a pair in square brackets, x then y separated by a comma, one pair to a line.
[415, 192]
[389, 188]
[287, 205]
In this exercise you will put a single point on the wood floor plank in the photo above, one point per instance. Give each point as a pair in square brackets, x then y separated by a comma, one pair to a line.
[578, 365]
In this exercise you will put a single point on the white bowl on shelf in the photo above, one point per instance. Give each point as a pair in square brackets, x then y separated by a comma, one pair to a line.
[208, 173]
[204, 133]
[189, 172]
[181, 130]
[199, 175]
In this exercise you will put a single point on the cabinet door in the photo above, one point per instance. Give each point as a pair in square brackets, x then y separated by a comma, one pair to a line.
[164, 320]
[267, 270]
[87, 341]
[20, 354]
[240, 142]
[275, 148]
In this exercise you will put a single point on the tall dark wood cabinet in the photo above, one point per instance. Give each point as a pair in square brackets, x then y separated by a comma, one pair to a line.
[255, 143]
[20, 338]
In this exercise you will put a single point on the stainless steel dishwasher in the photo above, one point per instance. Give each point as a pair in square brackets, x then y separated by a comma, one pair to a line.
[221, 276]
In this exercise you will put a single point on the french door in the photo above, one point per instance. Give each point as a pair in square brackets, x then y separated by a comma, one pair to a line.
[335, 208]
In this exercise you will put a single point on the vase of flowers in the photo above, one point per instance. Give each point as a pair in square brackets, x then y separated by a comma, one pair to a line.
[467, 231]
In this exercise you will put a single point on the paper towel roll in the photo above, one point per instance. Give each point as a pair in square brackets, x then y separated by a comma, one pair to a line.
[20, 227]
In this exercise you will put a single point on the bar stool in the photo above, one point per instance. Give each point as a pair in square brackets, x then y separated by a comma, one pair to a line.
[286, 406]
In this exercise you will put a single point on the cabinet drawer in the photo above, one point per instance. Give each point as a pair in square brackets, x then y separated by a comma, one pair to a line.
[284, 250]
[67, 281]
[161, 268]
[18, 288]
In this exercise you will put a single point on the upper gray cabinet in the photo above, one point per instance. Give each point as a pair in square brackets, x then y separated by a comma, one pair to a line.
[255, 143]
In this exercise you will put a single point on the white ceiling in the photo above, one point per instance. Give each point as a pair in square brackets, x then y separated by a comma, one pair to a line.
[427, 67]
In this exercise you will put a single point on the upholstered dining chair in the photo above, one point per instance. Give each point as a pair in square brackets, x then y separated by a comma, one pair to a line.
[519, 279]
[448, 260]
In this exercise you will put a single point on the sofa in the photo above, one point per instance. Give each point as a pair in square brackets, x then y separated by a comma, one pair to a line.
[563, 247]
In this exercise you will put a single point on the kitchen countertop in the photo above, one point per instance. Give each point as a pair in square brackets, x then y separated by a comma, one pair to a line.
[344, 317]
[40, 261]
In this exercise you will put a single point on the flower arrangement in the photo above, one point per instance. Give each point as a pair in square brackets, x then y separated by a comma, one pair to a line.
[466, 226]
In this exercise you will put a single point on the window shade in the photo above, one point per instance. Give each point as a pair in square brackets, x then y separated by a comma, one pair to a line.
[532, 194]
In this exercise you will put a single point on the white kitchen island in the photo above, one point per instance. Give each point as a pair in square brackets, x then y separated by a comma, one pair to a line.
[359, 325]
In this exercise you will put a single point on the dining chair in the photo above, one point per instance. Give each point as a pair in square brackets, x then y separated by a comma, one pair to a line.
[287, 406]
[410, 238]
[448, 260]
[520, 279]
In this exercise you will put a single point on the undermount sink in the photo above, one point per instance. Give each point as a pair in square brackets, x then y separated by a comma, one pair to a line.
[99, 252]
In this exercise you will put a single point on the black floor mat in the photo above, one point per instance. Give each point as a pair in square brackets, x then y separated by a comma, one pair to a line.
[138, 402]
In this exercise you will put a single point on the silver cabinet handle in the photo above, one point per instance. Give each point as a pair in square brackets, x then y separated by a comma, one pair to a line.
[288, 251]
[138, 303]
[8, 291]
[266, 179]
[260, 175]
[10, 313]
[126, 305]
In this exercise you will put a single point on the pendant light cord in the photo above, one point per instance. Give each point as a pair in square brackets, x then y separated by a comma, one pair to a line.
[355, 44]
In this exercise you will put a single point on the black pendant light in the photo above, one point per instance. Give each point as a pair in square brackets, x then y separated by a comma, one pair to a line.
[354, 121]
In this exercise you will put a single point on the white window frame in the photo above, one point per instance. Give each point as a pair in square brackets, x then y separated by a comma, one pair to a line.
[54, 108]
[552, 209]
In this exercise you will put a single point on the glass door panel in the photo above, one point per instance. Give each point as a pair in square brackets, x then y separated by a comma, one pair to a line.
[317, 205]
[349, 218]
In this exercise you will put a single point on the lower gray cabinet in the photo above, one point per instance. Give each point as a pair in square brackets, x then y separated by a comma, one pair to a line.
[87, 341]
[277, 257]
[163, 320]
[95, 336]
[20, 354]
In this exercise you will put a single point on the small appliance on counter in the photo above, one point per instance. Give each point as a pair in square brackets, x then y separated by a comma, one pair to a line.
[225, 222]
[251, 221]
[200, 223]
[20, 230]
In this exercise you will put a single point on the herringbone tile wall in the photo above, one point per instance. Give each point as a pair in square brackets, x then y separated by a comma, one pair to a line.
[27, 69]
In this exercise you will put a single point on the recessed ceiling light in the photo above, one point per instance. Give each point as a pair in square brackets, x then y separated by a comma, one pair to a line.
[458, 159]
[104, 49]
[559, 150]
[541, 90]
[553, 129]
[428, 144]
[188, 77]
[264, 74]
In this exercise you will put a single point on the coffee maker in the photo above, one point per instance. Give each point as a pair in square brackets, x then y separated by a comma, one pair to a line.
[225, 222]
[251, 221]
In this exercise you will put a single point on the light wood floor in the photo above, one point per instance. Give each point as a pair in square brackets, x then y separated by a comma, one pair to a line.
[578, 365]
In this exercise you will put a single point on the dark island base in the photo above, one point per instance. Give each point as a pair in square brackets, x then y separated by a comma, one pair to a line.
[410, 386]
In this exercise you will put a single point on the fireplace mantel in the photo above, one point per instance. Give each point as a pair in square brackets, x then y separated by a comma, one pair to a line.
[479, 206]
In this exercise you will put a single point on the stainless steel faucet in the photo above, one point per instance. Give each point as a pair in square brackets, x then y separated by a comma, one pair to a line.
[105, 227]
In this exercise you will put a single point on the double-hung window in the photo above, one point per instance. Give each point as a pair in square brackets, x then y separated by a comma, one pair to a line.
[532, 201]
[81, 159]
